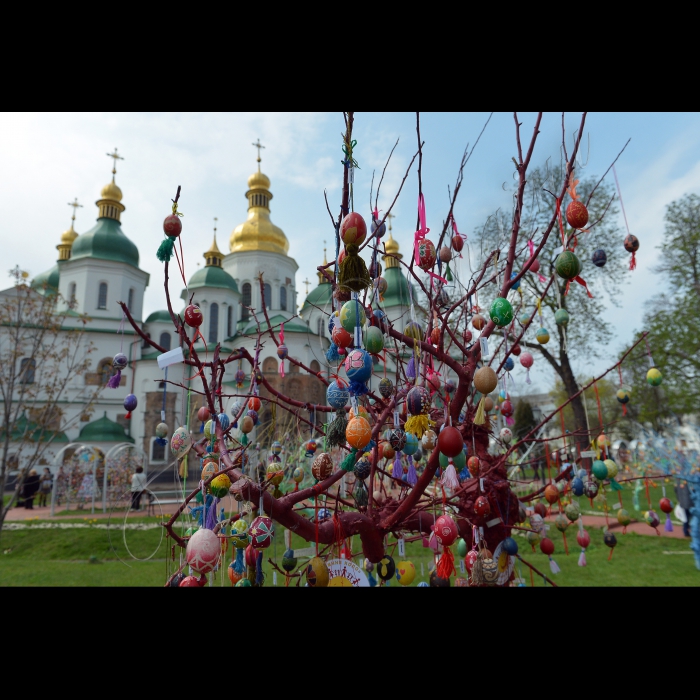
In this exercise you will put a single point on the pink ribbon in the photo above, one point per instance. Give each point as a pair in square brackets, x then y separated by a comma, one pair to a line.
[282, 342]
[419, 235]
[531, 248]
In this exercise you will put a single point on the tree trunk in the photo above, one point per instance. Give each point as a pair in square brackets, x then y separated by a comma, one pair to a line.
[581, 439]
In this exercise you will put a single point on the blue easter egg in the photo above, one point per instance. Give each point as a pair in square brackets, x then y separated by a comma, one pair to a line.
[358, 365]
[224, 421]
[509, 364]
[513, 275]
[411, 445]
[337, 396]
[577, 486]
[510, 546]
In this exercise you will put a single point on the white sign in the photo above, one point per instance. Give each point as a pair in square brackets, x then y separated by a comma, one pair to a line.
[493, 522]
[171, 357]
[306, 552]
[588, 453]
[345, 573]
[402, 548]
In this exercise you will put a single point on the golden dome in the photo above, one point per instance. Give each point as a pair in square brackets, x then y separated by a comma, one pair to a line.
[111, 191]
[213, 256]
[258, 232]
[392, 247]
[67, 237]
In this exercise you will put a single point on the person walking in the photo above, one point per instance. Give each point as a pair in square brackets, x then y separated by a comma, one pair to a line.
[29, 489]
[684, 495]
[138, 486]
[45, 486]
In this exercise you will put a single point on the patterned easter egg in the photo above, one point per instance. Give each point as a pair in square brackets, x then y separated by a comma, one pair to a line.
[567, 265]
[180, 442]
[193, 316]
[239, 534]
[501, 312]
[631, 243]
[260, 532]
[358, 433]
[622, 395]
[349, 313]
[573, 510]
[426, 254]
[405, 573]
[353, 229]
[397, 439]
[413, 330]
[322, 466]
[478, 321]
[412, 444]
[561, 317]
[418, 401]
[161, 430]
[220, 485]
[337, 394]
[358, 365]
[120, 361]
[386, 387]
[341, 337]
[317, 574]
[362, 467]
[429, 439]
[577, 214]
[386, 568]
[623, 517]
[611, 468]
[599, 258]
[203, 551]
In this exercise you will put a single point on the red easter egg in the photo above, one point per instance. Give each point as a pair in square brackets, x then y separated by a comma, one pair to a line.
[341, 256]
[631, 243]
[193, 316]
[482, 506]
[541, 509]
[467, 336]
[507, 408]
[353, 229]
[526, 359]
[583, 538]
[450, 441]
[457, 243]
[203, 414]
[190, 582]
[665, 505]
[426, 254]
[547, 546]
[469, 560]
[473, 465]
[535, 267]
[254, 403]
[172, 225]
[515, 350]
[251, 555]
[435, 336]
[341, 337]
[388, 451]
[577, 214]
[445, 530]
[551, 493]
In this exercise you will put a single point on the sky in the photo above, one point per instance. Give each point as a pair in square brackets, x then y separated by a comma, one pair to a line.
[48, 159]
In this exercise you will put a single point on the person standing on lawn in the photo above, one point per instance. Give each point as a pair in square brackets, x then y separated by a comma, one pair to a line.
[138, 486]
[45, 486]
[684, 495]
[29, 489]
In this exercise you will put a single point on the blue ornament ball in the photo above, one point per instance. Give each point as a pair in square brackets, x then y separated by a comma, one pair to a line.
[577, 486]
[224, 421]
[130, 402]
[599, 258]
[423, 584]
[513, 275]
[510, 546]
[337, 395]
[411, 445]
[509, 364]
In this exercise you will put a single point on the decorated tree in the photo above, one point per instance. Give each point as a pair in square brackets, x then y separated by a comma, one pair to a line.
[428, 429]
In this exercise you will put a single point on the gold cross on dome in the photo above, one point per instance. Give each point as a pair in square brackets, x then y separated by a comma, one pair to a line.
[116, 157]
[390, 216]
[215, 220]
[258, 145]
[307, 283]
[75, 206]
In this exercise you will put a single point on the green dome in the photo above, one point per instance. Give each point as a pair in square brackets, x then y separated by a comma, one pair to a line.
[106, 241]
[47, 281]
[397, 293]
[104, 430]
[320, 296]
[163, 315]
[213, 276]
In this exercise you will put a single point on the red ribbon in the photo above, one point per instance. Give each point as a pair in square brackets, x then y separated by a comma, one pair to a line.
[582, 282]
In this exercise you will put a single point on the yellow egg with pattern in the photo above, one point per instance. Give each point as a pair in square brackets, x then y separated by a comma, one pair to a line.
[405, 573]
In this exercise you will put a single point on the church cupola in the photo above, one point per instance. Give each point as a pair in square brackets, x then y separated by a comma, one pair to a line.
[110, 202]
[69, 236]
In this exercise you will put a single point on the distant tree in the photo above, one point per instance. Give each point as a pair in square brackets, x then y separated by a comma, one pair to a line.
[41, 356]
[524, 419]
[587, 335]
[673, 322]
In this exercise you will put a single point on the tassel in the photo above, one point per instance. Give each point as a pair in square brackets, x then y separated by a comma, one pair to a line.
[127, 416]
[446, 564]
[258, 570]
[165, 249]
[244, 440]
[448, 274]
[397, 471]
[372, 580]
[348, 464]
[669, 525]
[353, 275]
[417, 425]
[527, 376]
[201, 427]
[360, 494]
[582, 558]
[332, 353]
[480, 417]
[412, 476]
[282, 369]
[335, 435]
[411, 368]
[358, 389]
[161, 441]
[114, 380]
[510, 421]
[239, 563]
[633, 262]
[553, 566]
[449, 478]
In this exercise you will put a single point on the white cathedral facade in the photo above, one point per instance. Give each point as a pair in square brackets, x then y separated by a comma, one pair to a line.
[100, 267]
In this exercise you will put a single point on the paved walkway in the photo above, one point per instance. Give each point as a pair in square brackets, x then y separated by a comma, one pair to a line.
[638, 526]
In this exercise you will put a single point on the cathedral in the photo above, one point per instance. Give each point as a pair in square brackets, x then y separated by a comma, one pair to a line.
[100, 267]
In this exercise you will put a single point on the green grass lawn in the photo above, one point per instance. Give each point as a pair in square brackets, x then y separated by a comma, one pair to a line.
[61, 557]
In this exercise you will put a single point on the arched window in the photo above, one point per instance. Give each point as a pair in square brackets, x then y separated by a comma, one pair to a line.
[283, 298]
[165, 340]
[27, 369]
[229, 322]
[145, 345]
[130, 303]
[105, 369]
[157, 452]
[102, 296]
[269, 365]
[71, 292]
[246, 301]
[314, 366]
[268, 296]
[213, 323]
[321, 326]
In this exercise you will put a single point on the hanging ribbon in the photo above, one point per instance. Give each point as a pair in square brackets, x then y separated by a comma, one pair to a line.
[420, 235]
[633, 260]
[531, 248]
[282, 358]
